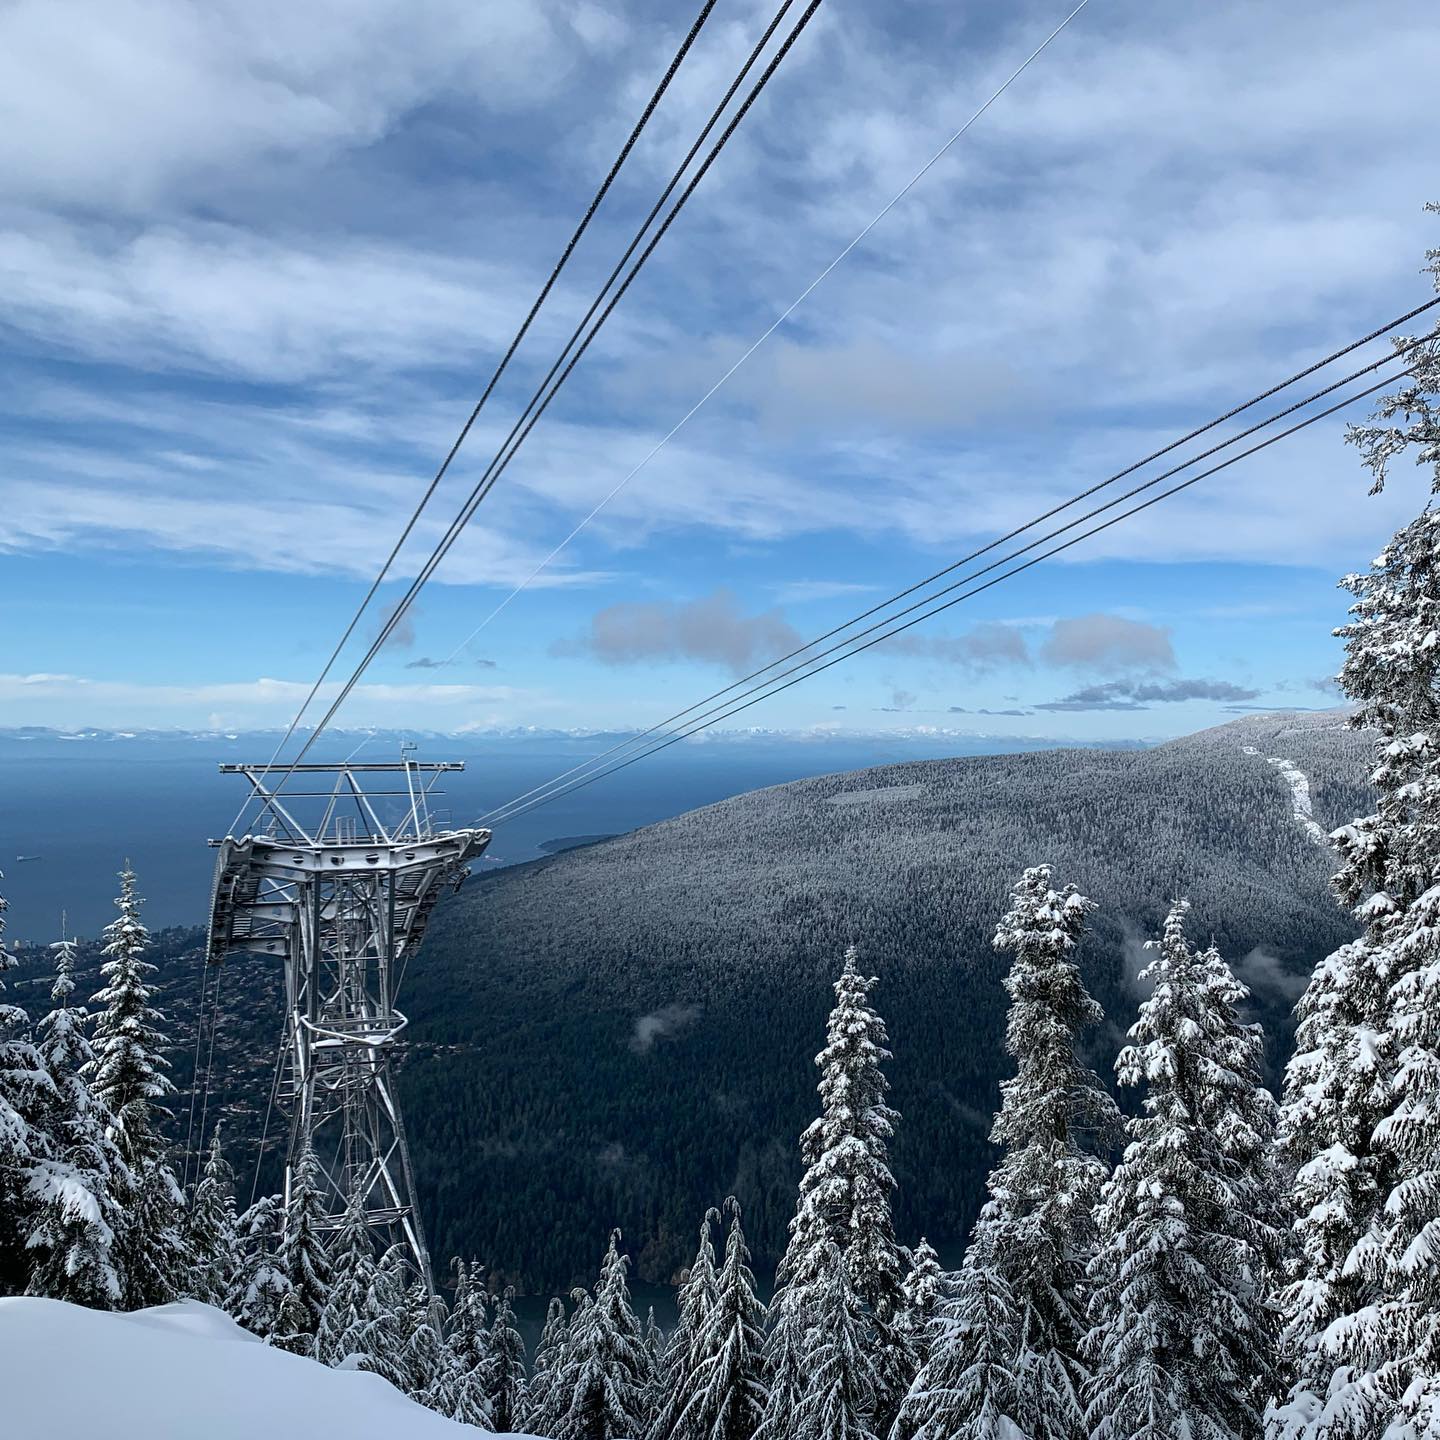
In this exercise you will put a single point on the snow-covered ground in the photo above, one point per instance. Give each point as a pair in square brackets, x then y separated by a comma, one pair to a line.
[182, 1372]
[1299, 784]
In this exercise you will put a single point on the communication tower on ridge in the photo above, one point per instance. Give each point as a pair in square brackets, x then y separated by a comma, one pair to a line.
[341, 900]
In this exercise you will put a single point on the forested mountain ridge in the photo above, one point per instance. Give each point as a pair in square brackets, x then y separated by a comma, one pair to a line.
[588, 1029]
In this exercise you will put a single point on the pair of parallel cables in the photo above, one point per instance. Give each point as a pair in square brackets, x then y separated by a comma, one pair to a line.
[645, 241]
[848, 641]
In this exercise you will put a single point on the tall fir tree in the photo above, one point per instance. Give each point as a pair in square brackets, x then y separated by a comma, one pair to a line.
[785, 1358]
[259, 1285]
[77, 1236]
[547, 1372]
[844, 1202]
[25, 1087]
[385, 1334]
[607, 1368]
[128, 1077]
[969, 1386]
[924, 1282]
[1037, 1228]
[1183, 1329]
[468, 1343]
[1360, 1119]
[211, 1228]
[433, 1373]
[1035, 1237]
[841, 1394]
[506, 1390]
[301, 1258]
[1359, 1091]
[341, 1332]
[128, 1074]
[694, 1301]
[723, 1396]
[655, 1346]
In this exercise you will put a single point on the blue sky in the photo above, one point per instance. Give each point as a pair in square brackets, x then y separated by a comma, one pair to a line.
[256, 261]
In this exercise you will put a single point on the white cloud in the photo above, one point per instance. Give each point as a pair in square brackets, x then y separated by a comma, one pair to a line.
[712, 629]
[235, 192]
[133, 102]
[73, 700]
[1109, 644]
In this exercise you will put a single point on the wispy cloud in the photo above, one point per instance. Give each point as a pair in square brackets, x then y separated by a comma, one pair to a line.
[1139, 695]
[659, 1024]
[1108, 643]
[712, 629]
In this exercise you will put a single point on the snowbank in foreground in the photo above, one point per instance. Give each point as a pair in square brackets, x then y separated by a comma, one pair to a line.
[181, 1372]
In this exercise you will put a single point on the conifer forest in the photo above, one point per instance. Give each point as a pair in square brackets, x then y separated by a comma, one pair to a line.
[1222, 1236]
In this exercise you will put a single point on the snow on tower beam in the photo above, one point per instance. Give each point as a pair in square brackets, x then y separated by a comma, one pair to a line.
[341, 898]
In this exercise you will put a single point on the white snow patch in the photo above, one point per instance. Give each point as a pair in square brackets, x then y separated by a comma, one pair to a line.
[1300, 802]
[882, 795]
[182, 1371]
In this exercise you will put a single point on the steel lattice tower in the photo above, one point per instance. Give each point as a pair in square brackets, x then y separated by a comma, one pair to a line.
[342, 904]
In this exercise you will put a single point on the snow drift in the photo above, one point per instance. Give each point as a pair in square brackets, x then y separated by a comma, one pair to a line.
[181, 1371]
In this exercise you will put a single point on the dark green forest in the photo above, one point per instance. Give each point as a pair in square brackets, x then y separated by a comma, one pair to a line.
[623, 1033]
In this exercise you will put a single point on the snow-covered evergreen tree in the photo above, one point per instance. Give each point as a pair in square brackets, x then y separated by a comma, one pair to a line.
[1335, 1093]
[656, 1345]
[1035, 1236]
[506, 1391]
[468, 1346]
[547, 1372]
[301, 1257]
[786, 1379]
[1183, 1330]
[694, 1301]
[127, 1076]
[1360, 1118]
[156, 1257]
[723, 1396]
[845, 1202]
[607, 1368]
[841, 1391]
[1038, 1228]
[434, 1378]
[25, 1086]
[341, 1333]
[969, 1386]
[292, 1330]
[211, 1228]
[259, 1285]
[384, 1337]
[924, 1282]
[77, 1237]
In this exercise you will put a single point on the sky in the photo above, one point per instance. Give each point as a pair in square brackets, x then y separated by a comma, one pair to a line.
[257, 261]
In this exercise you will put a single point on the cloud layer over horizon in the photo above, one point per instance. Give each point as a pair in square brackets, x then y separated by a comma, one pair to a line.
[257, 262]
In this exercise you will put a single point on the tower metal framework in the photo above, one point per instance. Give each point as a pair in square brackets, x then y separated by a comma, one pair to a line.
[341, 899]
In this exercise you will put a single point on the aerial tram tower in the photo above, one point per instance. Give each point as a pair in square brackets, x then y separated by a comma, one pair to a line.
[340, 899]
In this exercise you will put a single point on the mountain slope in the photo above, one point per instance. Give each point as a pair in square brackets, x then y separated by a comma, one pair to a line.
[623, 1033]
